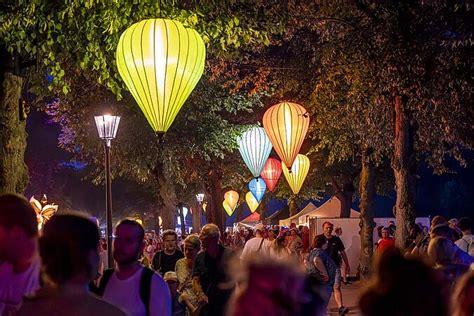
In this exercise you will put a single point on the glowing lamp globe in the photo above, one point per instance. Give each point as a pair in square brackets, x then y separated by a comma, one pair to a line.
[254, 147]
[257, 186]
[286, 124]
[271, 173]
[299, 171]
[227, 208]
[231, 197]
[251, 202]
[160, 62]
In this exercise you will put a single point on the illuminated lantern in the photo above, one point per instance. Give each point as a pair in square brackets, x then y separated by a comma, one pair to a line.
[231, 197]
[254, 147]
[251, 201]
[257, 187]
[286, 124]
[160, 62]
[204, 206]
[160, 221]
[271, 173]
[299, 171]
[227, 208]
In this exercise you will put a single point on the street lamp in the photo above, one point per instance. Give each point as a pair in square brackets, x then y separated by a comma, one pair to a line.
[107, 126]
[200, 197]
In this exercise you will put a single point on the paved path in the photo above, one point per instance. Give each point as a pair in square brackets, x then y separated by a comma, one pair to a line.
[350, 297]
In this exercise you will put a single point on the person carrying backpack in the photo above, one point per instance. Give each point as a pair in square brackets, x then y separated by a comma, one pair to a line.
[133, 288]
[321, 267]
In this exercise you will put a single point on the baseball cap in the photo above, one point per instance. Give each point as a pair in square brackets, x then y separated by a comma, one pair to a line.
[259, 227]
[170, 276]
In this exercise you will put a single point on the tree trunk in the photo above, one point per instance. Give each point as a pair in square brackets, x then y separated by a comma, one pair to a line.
[215, 212]
[168, 197]
[344, 195]
[13, 170]
[404, 169]
[293, 207]
[367, 224]
[197, 218]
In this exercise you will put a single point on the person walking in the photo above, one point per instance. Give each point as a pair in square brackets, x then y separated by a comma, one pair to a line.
[19, 260]
[133, 288]
[336, 251]
[257, 244]
[210, 273]
[69, 249]
[165, 260]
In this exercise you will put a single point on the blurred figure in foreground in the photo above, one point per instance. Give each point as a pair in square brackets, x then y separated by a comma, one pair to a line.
[268, 286]
[70, 258]
[19, 261]
[403, 286]
[463, 297]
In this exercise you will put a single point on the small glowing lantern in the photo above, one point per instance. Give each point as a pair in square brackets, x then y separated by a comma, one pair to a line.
[271, 173]
[231, 197]
[299, 171]
[251, 201]
[254, 147]
[160, 62]
[227, 208]
[286, 124]
[257, 187]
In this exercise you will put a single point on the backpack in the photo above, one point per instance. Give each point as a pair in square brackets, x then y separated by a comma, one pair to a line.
[145, 285]
[315, 274]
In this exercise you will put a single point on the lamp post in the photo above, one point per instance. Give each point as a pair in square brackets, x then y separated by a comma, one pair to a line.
[107, 126]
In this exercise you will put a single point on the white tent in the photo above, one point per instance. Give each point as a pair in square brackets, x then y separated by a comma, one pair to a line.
[330, 209]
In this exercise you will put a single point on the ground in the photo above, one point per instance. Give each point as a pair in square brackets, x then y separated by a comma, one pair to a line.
[350, 296]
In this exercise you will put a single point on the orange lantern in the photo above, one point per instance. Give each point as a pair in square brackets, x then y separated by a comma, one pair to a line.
[271, 173]
[231, 197]
[286, 124]
[298, 173]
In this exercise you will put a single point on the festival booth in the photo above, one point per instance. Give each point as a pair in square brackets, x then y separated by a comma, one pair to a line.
[249, 222]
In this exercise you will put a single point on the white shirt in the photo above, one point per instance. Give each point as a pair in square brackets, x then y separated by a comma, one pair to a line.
[14, 286]
[125, 294]
[252, 245]
[466, 244]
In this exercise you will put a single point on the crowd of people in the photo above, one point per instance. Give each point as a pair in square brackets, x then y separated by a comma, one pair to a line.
[269, 270]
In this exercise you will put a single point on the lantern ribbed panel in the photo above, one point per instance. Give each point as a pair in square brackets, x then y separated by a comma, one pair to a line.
[231, 197]
[257, 186]
[160, 62]
[299, 171]
[286, 124]
[254, 147]
[271, 173]
[251, 201]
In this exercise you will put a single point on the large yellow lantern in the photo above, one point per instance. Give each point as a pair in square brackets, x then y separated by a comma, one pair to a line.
[161, 62]
[286, 124]
[251, 202]
[231, 197]
[298, 173]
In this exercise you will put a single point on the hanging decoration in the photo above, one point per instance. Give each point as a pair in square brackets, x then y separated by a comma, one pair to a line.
[231, 197]
[271, 173]
[160, 62]
[251, 202]
[298, 173]
[43, 210]
[227, 208]
[286, 124]
[257, 186]
[254, 147]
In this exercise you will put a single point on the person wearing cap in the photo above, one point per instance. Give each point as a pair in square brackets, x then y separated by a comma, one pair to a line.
[256, 245]
[177, 309]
